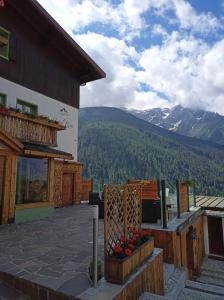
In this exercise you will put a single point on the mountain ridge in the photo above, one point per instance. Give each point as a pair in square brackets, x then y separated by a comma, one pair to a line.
[186, 121]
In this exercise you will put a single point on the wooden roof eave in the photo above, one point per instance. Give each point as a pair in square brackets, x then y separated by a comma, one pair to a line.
[11, 142]
[43, 154]
[42, 22]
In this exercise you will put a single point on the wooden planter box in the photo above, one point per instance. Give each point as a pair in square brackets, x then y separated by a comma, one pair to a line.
[119, 270]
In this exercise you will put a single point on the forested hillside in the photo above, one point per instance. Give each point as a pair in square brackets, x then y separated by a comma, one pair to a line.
[115, 146]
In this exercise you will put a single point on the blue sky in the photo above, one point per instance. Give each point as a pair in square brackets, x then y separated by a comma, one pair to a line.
[156, 53]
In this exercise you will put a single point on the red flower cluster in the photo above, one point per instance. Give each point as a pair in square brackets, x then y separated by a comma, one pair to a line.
[126, 246]
[3, 109]
[2, 3]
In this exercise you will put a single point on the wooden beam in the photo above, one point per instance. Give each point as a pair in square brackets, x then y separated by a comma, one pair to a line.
[11, 142]
[47, 154]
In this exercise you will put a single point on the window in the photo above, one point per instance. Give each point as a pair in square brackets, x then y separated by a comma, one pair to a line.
[27, 107]
[3, 99]
[4, 43]
[32, 180]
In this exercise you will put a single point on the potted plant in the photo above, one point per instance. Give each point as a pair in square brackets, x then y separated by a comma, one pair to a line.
[127, 255]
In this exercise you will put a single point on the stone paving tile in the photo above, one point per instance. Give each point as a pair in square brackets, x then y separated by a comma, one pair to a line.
[53, 252]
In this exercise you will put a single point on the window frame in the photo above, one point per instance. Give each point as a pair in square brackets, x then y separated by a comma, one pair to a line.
[26, 187]
[2, 29]
[30, 105]
[4, 97]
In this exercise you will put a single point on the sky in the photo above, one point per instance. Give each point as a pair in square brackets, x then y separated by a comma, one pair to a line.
[156, 53]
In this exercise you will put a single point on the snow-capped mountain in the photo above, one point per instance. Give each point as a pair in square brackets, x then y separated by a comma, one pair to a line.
[195, 123]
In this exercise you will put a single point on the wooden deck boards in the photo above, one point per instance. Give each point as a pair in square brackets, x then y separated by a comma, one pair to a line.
[210, 202]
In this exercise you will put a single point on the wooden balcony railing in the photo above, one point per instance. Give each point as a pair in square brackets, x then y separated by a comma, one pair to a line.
[28, 129]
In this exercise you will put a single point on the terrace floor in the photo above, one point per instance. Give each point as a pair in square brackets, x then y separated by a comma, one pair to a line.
[54, 252]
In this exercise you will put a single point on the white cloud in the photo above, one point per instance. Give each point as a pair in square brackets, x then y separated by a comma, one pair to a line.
[189, 19]
[187, 70]
[75, 15]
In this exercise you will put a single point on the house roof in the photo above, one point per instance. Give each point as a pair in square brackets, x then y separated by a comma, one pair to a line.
[55, 36]
[44, 151]
[209, 202]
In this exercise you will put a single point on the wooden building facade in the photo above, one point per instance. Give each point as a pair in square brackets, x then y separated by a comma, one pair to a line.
[41, 70]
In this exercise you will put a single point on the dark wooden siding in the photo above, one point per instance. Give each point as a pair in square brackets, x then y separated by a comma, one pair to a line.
[35, 63]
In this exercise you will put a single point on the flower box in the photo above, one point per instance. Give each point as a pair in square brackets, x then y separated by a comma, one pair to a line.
[118, 270]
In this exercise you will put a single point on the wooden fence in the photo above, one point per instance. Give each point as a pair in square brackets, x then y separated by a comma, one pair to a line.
[87, 187]
[149, 188]
[184, 196]
[30, 130]
[122, 210]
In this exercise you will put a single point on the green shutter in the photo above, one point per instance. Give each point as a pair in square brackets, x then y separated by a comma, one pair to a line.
[3, 99]
[4, 43]
[27, 107]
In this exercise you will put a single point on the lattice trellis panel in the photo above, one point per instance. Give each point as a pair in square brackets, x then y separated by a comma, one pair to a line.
[122, 210]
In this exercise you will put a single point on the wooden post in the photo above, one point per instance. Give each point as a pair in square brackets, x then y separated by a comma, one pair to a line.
[194, 196]
[188, 198]
[105, 195]
[163, 185]
[158, 188]
[178, 198]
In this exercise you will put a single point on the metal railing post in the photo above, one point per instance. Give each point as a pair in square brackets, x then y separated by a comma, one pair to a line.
[178, 198]
[163, 185]
[95, 244]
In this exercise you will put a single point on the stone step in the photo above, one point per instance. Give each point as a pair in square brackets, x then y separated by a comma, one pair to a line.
[168, 270]
[189, 294]
[175, 283]
[208, 288]
[7, 292]
[213, 272]
[209, 279]
[212, 264]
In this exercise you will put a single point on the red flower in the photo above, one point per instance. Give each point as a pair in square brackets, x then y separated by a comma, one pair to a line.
[2, 3]
[128, 252]
[122, 239]
[131, 247]
[118, 249]
[3, 109]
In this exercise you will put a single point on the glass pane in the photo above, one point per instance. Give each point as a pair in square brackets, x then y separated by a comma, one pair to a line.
[32, 180]
[4, 43]
[2, 99]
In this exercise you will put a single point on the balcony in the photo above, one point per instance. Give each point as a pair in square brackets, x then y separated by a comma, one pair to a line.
[30, 129]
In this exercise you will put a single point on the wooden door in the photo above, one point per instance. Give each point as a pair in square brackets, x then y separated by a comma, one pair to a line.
[2, 167]
[68, 188]
[215, 236]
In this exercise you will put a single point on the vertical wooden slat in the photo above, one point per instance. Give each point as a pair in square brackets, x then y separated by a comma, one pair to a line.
[12, 195]
[7, 186]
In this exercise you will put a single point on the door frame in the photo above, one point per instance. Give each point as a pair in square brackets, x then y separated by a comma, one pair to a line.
[217, 214]
[73, 186]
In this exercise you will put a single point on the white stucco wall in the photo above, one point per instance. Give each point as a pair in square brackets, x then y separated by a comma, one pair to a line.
[54, 109]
